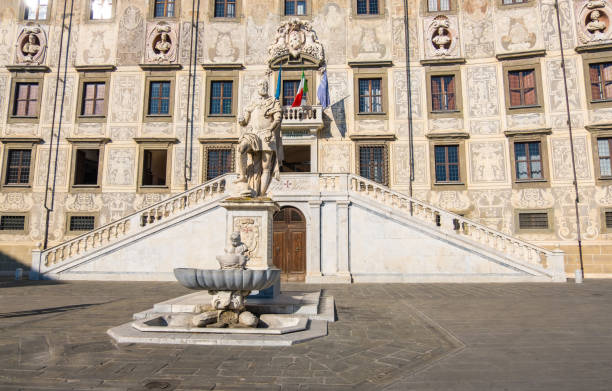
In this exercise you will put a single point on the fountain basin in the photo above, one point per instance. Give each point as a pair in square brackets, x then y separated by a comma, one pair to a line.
[227, 280]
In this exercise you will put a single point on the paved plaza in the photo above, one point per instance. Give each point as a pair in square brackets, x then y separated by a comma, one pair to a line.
[387, 337]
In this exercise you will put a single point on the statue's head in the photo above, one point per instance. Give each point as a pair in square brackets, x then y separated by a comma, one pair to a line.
[235, 238]
[262, 88]
[164, 37]
[595, 15]
[440, 30]
[32, 38]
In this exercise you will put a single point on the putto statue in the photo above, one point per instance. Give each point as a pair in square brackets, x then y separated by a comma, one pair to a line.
[260, 146]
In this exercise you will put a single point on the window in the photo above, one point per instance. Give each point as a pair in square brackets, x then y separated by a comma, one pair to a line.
[522, 88]
[221, 97]
[528, 160]
[295, 7]
[159, 98]
[12, 223]
[373, 163]
[154, 165]
[507, 2]
[370, 96]
[438, 5]
[601, 81]
[81, 223]
[608, 219]
[219, 161]
[604, 145]
[164, 9]
[290, 88]
[367, 7]
[86, 167]
[447, 163]
[533, 220]
[225, 8]
[94, 94]
[36, 9]
[101, 9]
[443, 93]
[18, 163]
[26, 100]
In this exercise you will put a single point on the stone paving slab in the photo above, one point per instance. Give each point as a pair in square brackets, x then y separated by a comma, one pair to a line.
[387, 337]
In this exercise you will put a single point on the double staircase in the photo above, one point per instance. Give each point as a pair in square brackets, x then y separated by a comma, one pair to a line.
[154, 240]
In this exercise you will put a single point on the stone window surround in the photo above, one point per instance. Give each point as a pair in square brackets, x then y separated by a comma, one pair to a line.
[379, 72]
[222, 75]
[152, 76]
[589, 58]
[22, 18]
[217, 143]
[597, 132]
[93, 75]
[158, 143]
[26, 223]
[25, 77]
[151, 13]
[551, 221]
[87, 16]
[425, 9]
[296, 74]
[18, 143]
[445, 71]
[306, 16]
[87, 143]
[373, 141]
[442, 140]
[500, 4]
[237, 19]
[519, 65]
[530, 136]
[604, 228]
[68, 215]
[382, 10]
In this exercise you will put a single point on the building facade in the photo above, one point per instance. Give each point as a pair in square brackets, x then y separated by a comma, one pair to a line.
[486, 108]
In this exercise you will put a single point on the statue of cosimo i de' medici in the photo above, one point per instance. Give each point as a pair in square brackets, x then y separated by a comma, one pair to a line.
[260, 145]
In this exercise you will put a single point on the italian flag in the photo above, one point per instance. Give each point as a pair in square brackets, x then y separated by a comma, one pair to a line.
[302, 90]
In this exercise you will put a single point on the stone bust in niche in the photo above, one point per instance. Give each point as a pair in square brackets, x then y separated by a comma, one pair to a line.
[31, 47]
[441, 39]
[595, 26]
[163, 45]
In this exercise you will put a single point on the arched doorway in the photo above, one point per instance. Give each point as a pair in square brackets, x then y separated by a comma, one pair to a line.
[290, 244]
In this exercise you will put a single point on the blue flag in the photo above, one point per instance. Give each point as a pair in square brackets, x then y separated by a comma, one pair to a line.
[323, 91]
[278, 83]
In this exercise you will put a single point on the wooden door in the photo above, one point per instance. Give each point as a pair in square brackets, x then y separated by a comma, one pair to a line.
[290, 244]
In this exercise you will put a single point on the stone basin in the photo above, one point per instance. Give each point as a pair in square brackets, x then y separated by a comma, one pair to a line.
[227, 280]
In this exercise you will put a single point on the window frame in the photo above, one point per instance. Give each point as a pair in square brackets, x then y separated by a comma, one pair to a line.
[221, 144]
[291, 74]
[445, 71]
[382, 10]
[551, 222]
[220, 75]
[26, 224]
[598, 132]
[89, 19]
[159, 117]
[536, 135]
[604, 227]
[87, 143]
[23, 78]
[523, 65]
[22, 9]
[307, 15]
[500, 4]
[371, 73]
[425, 9]
[237, 18]
[155, 144]
[373, 143]
[177, 11]
[589, 58]
[18, 143]
[444, 140]
[70, 215]
[92, 77]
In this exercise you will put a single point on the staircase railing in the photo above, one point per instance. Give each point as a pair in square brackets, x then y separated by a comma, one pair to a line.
[206, 192]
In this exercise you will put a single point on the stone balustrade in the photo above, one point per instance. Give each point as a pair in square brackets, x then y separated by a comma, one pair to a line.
[303, 117]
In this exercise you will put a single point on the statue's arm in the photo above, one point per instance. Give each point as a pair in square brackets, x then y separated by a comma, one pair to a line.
[244, 119]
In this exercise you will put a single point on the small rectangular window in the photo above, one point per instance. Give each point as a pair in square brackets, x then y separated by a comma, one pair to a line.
[609, 219]
[295, 7]
[218, 162]
[18, 167]
[370, 96]
[26, 100]
[438, 5]
[82, 223]
[154, 165]
[372, 163]
[36, 9]
[367, 7]
[522, 86]
[12, 223]
[506, 2]
[94, 94]
[290, 88]
[601, 81]
[528, 160]
[159, 98]
[86, 167]
[221, 98]
[164, 9]
[533, 220]
[225, 8]
[447, 163]
[604, 146]
[101, 9]
[443, 93]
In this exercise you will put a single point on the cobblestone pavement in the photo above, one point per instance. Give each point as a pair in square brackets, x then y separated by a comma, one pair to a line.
[388, 337]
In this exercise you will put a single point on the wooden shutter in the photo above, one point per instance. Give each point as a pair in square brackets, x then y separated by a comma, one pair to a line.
[450, 93]
[436, 91]
[595, 82]
[529, 88]
[514, 85]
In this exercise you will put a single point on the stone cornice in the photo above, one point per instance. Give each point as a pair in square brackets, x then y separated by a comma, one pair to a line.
[443, 61]
[32, 140]
[28, 68]
[95, 68]
[593, 48]
[168, 140]
[516, 55]
[599, 128]
[446, 134]
[161, 67]
[370, 64]
[206, 140]
[367, 137]
[93, 140]
[523, 132]
[223, 66]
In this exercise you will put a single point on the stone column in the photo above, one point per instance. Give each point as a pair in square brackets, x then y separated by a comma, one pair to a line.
[342, 226]
[313, 265]
[35, 267]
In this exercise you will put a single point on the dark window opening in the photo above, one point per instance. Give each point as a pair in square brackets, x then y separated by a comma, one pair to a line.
[295, 7]
[36, 9]
[372, 163]
[218, 162]
[290, 89]
[367, 7]
[225, 8]
[533, 220]
[221, 98]
[154, 167]
[443, 93]
[12, 223]
[82, 223]
[447, 163]
[18, 167]
[86, 167]
[609, 219]
[297, 158]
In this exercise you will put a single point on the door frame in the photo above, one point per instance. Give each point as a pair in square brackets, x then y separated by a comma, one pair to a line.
[307, 233]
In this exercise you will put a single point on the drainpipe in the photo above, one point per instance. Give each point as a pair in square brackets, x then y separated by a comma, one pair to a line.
[195, 23]
[409, 93]
[579, 275]
[49, 204]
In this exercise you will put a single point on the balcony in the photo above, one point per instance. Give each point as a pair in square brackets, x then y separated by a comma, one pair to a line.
[306, 119]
